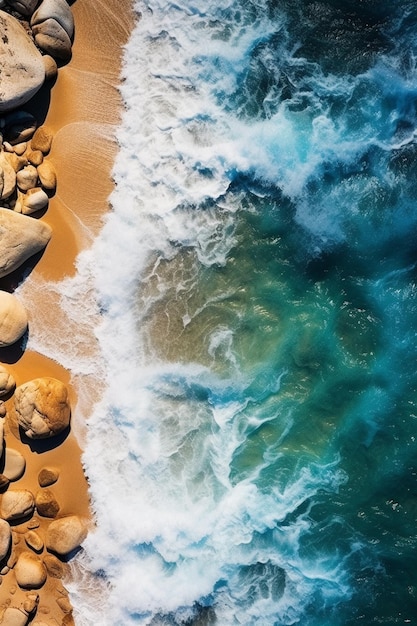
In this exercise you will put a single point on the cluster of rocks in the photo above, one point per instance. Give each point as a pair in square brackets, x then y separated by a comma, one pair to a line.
[36, 537]
[35, 541]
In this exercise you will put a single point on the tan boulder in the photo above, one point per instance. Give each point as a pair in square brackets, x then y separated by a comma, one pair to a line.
[27, 178]
[29, 570]
[20, 238]
[47, 175]
[7, 176]
[54, 567]
[46, 504]
[7, 382]
[35, 157]
[21, 66]
[42, 407]
[17, 504]
[65, 534]
[5, 538]
[20, 148]
[14, 617]
[14, 464]
[42, 139]
[34, 541]
[34, 200]
[51, 68]
[13, 319]
[48, 476]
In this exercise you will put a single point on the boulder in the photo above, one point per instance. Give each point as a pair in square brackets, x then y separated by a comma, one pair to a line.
[24, 7]
[35, 157]
[48, 476]
[5, 538]
[14, 617]
[58, 10]
[17, 504]
[13, 319]
[34, 200]
[34, 541]
[27, 178]
[46, 504]
[20, 238]
[22, 69]
[54, 567]
[29, 570]
[42, 139]
[14, 464]
[7, 382]
[7, 176]
[42, 407]
[47, 175]
[51, 68]
[53, 39]
[66, 534]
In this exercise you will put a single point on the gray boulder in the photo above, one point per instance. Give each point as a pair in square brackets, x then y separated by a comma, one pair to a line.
[22, 69]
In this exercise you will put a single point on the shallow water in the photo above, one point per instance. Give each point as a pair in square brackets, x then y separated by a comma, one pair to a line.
[253, 458]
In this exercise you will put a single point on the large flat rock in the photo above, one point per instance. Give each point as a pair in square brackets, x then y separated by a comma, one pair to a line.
[22, 70]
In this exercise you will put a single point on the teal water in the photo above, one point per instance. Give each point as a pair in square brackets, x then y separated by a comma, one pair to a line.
[266, 440]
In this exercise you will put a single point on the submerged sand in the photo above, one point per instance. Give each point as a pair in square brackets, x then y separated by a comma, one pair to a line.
[83, 112]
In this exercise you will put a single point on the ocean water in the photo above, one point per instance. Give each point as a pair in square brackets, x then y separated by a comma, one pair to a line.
[253, 456]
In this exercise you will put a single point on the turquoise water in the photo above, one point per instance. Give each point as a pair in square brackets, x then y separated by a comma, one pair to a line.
[261, 319]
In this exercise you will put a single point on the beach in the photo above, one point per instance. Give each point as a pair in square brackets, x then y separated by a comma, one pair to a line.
[83, 113]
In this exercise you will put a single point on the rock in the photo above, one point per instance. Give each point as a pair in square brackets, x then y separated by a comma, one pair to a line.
[7, 382]
[66, 534]
[16, 161]
[34, 200]
[48, 476]
[27, 178]
[47, 175]
[57, 10]
[52, 39]
[7, 177]
[20, 148]
[17, 504]
[35, 157]
[20, 238]
[13, 319]
[46, 504]
[30, 572]
[34, 541]
[51, 68]
[14, 465]
[5, 538]
[14, 617]
[4, 482]
[21, 66]
[42, 139]
[30, 605]
[19, 126]
[64, 604]
[42, 407]
[24, 7]
[54, 567]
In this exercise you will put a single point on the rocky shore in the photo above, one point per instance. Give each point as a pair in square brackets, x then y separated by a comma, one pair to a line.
[44, 513]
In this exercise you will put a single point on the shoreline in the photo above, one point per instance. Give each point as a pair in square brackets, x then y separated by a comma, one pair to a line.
[84, 111]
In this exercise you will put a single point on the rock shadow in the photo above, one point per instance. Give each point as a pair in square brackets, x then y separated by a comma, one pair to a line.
[39, 446]
[12, 354]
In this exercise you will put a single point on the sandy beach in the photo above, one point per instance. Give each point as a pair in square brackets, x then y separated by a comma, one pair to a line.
[83, 113]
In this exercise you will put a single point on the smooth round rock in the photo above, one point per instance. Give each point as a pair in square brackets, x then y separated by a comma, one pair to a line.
[27, 178]
[58, 10]
[46, 504]
[34, 541]
[42, 407]
[13, 319]
[47, 175]
[66, 534]
[7, 382]
[54, 567]
[5, 538]
[21, 66]
[35, 157]
[7, 176]
[17, 504]
[48, 476]
[14, 464]
[34, 200]
[20, 238]
[42, 139]
[30, 572]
